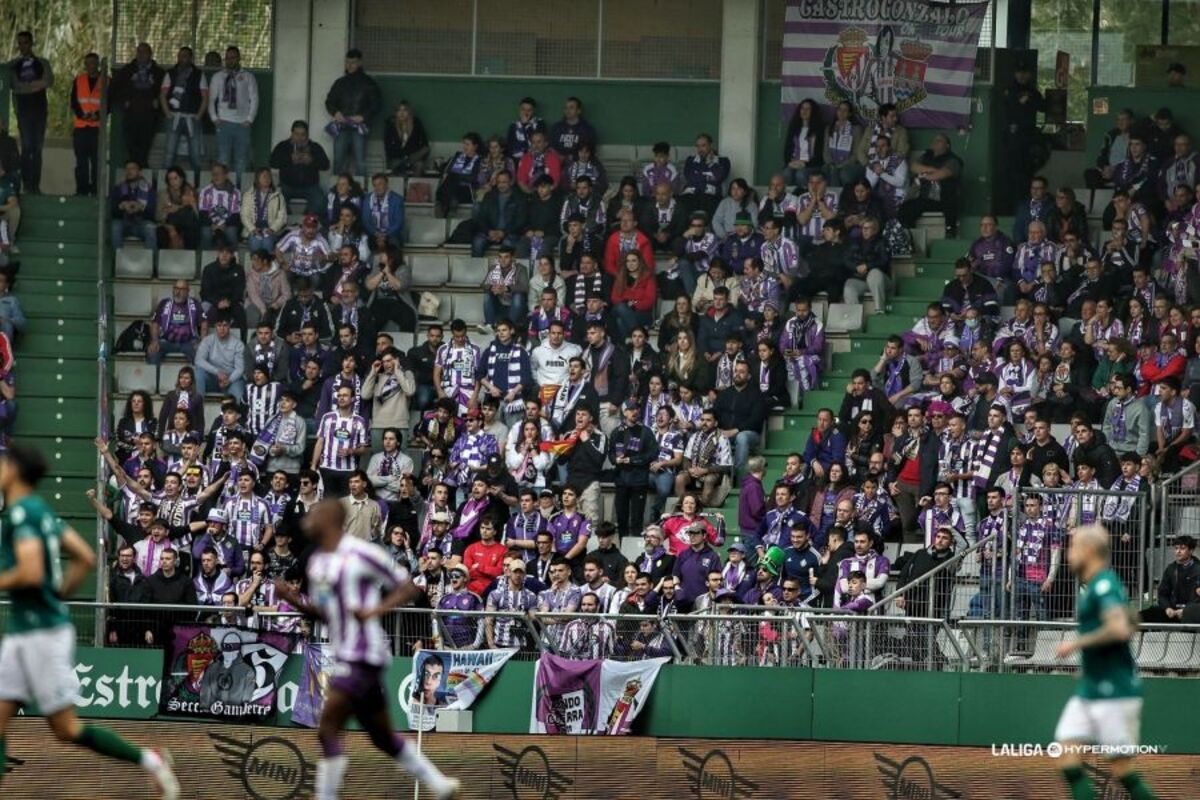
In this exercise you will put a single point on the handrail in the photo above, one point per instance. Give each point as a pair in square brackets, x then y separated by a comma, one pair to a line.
[102, 408]
[952, 561]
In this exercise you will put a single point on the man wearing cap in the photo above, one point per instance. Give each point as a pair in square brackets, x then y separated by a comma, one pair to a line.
[655, 561]
[693, 565]
[695, 248]
[456, 368]
[669, 446]
[511, 595]
[608, 555]
[305, 252]
[766, 581]
[471, 450]
[228, 553]
[742, 243]
[463, 633]
[632, 446]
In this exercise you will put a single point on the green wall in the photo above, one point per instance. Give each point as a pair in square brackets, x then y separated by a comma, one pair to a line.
[260, 133]
[623, 112]
[973, 146]
[1184, 104]
[935, 708]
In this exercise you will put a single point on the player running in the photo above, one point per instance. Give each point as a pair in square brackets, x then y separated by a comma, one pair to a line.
[1107, 707]
[347, 580]
[37, 653]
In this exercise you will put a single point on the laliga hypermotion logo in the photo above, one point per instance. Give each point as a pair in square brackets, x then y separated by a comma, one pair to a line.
[528, 775]
[269, 769]
[871, 75]
[912, 779]
[712, 776]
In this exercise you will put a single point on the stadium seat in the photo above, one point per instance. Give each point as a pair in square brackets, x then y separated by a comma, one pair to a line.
[844, 318]
[467, 271]
[1152, 649]
[133, 373]
[1180, 651]
[429, 270]
[177, 264]
[133, 299]
[467, 306]
[135, 262]
[168, 371]
[426, 231]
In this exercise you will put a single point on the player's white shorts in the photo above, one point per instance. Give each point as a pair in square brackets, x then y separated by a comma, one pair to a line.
[39, 667]
[1112, 723]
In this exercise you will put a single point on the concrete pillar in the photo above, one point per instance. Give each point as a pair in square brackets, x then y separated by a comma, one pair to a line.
[330, 40]
[741, 64]
[292, 20]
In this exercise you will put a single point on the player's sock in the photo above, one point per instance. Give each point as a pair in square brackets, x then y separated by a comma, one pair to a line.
[107, 743]
[330, 770]
[1081, 785]
[1137, 788]
[414, 762]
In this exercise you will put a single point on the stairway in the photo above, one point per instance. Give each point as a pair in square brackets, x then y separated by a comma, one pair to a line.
[57, 399]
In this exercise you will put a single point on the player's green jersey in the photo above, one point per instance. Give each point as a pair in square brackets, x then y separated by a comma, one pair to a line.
[41, 608]
[1109, 671]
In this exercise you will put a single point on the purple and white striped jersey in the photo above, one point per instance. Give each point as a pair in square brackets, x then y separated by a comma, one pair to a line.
[460, 369]
[262, 403]
[247, 516]
[220, 203]
[354, 577]
[341, 432]
[816, 222]
[309, 256]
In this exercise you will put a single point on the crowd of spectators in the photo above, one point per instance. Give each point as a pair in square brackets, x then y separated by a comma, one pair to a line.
[477, 458]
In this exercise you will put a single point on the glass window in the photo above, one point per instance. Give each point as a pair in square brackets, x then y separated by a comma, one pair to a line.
[1064, 25]
[246, 23]
[414, 35]
[522, 37]
[677, 39]
[1124, 24]
[772, 47]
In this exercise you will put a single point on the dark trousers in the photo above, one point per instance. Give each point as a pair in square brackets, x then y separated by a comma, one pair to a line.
[335, 482]
[140, 127]
[32, 122]
[87, 153]
[630, 506]
[911, 210]
[386, 310]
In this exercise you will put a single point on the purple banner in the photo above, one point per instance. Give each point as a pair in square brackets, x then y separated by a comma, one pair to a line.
[916, 54]
[590, 697]
[223, 672]
[314, 682]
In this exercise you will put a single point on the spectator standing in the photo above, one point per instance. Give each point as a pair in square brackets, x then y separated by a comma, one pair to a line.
[388, 386]
[135, 91]
[263, 212]
[183, 97]
[704, 175]
[300, 162]
[353, 101]
[32, 76]
[632, 447]
[521, 130]
[1179, 588]
[232, 106]
[405, 143]
[86, 98]
[341, 438]
[572, 131]
[741, 413]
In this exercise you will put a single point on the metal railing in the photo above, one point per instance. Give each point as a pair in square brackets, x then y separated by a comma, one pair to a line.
[1177, 510]
[949, 590]
[887, 643]
[103, 253]
[1032, 646]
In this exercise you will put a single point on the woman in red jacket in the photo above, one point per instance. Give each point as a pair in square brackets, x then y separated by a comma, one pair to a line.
[634, 295]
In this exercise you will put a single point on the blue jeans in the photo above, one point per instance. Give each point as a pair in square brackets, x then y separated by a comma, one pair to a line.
[208, 235]
[988, 603]
[663, 484]
[140, 228]
[177, 126]
[165, 348]
[481, 243]
[628, 319]
[206, 381]
[745, 444]
[424, 397]
[233, 148]
[349, 144]
[687, 275]
[799, 177]
[843, 175]
[256, 242]
[514, 312]
[1028, 600]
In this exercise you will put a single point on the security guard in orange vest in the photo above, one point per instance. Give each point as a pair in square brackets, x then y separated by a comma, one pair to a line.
[85, 104]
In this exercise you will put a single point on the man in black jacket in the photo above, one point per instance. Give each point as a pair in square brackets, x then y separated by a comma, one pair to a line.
[168, 586]
[829, 264]
[918, 602]
[1179, 589]
[421, 358]
[499, 218]
[862, 397]
[135, 91]
[300, 162]
[631, 449]
[542, 221]
[585, 462]
[223, 287]
[741, 412]
[353, 101]
[608, 372]
[126, 584]
[1091, 445]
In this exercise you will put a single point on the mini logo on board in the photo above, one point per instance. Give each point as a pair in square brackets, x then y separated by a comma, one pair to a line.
[269, 769]
[912, 779]
[713, 777]
[528, 774]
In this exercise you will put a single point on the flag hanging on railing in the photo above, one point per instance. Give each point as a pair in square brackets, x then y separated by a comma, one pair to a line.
[443, 679]
[223, 672]
[916, 54]
[590, 696]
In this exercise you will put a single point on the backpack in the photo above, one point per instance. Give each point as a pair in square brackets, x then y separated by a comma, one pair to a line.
[133, 339]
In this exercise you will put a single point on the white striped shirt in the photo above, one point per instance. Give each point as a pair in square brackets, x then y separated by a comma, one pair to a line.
[352, 578]
[146, 553]
[262, 403]
[815, 223]
[308, 256]
[338, 432]
[248, 517]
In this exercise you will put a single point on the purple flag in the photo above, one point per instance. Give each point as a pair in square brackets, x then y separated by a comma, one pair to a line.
[590, 696]
[916, 54]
